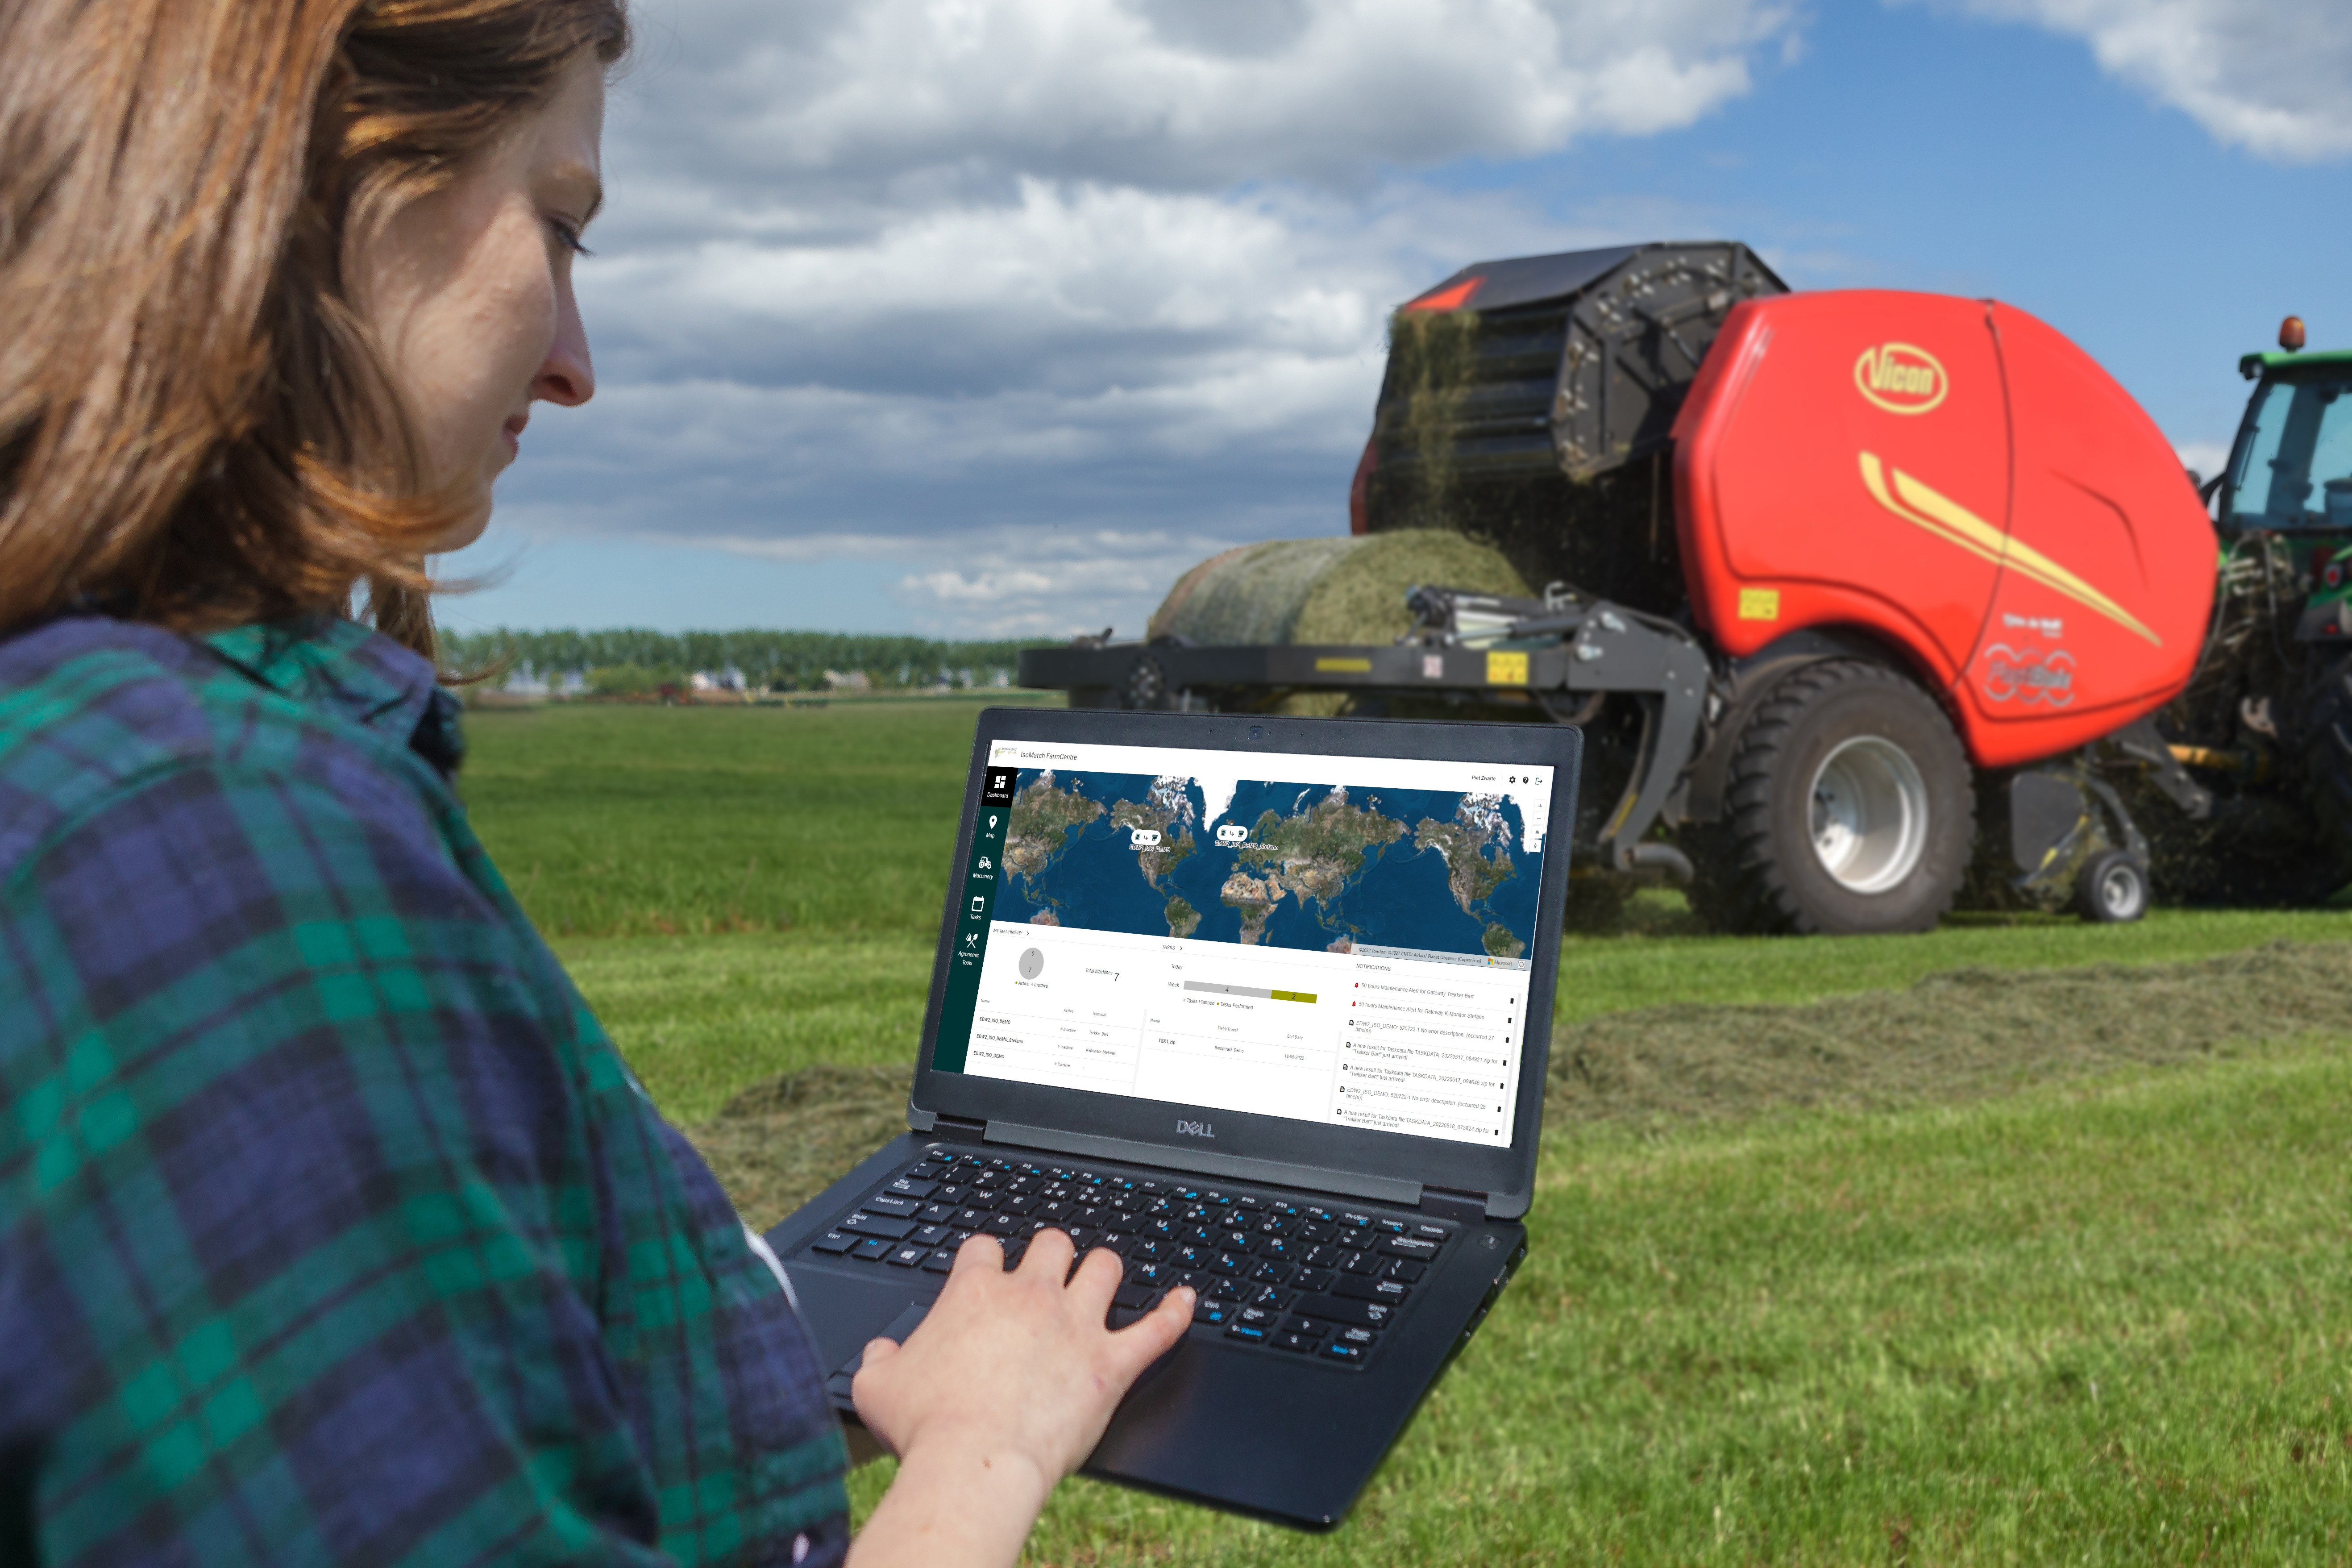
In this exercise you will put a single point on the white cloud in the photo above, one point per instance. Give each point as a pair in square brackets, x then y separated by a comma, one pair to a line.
[1171, 94]
[989, 295]
[920, 278]
[2269, 76]
[2203, 459]
[1082, 582]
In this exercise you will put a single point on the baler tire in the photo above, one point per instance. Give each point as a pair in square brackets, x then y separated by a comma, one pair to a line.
[1759, 870]
[2112, 889]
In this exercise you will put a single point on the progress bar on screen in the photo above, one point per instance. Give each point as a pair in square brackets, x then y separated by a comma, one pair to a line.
[1215, 989]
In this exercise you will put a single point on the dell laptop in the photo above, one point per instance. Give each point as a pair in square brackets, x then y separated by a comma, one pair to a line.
[1261, 1004]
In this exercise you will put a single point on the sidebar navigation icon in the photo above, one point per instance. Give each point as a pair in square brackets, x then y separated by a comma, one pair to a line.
[988, 842]
[978, 895]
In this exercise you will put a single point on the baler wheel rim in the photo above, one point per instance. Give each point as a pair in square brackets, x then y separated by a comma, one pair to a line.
[1869, 814]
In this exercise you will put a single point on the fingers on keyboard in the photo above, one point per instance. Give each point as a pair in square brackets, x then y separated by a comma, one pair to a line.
[1293, 1277]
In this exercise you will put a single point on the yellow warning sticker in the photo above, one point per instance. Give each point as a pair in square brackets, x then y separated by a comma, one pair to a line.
[1506, 670]
[1345, 666]
[1759, 604]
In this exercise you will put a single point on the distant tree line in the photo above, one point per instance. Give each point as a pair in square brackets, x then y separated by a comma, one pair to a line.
[785, 661]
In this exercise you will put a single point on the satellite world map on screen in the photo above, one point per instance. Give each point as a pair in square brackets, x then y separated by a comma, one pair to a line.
[1279, 865]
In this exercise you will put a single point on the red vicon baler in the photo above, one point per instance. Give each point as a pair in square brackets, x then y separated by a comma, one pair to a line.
[1824, 574]
[1956, 480]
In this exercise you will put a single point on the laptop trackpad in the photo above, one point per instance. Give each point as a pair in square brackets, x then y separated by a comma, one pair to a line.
[842, 1312]
[900, 1327]
[906, 1322]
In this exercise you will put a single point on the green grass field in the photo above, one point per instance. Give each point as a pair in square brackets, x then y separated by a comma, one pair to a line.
[2091, 1308]
[2103, 1326]
[625, 820]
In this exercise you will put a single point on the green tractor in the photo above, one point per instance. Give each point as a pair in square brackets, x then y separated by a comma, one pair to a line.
[2266, 722]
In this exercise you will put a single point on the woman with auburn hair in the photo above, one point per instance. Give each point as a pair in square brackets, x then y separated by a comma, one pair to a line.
[332, 1228]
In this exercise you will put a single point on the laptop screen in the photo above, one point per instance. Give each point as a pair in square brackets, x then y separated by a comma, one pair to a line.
[1347, 942]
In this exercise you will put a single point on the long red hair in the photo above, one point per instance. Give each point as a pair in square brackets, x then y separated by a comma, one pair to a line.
[194, 427]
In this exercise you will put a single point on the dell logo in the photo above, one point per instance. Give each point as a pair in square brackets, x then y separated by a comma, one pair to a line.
[1195, 1129]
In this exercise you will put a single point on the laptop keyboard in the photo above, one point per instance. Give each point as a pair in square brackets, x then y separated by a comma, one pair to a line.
[1316, 1279]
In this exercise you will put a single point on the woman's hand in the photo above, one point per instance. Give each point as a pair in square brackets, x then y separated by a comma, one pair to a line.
[1002, 1390]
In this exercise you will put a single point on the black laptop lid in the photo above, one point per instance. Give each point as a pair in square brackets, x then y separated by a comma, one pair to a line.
[1243, 943]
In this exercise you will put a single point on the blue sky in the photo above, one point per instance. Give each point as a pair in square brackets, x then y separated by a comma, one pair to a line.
[996, 334]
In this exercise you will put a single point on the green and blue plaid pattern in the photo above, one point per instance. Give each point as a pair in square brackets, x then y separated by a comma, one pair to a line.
[332, 1228]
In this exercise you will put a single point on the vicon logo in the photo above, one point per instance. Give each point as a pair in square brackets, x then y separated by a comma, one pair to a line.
[1901, 378]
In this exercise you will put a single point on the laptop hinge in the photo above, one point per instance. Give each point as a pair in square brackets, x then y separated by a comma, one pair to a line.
[1446, 1204]
[921, 1120]
[1206, 1162]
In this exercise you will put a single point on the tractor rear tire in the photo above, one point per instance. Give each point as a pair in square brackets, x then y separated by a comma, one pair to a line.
[2323, 733]
[1848, 809]
[1596, 904]
[2253, 852]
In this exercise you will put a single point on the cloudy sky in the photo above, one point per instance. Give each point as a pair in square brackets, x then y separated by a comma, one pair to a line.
[988, 317]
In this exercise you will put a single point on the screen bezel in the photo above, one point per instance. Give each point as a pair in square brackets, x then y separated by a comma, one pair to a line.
[1432, 1161]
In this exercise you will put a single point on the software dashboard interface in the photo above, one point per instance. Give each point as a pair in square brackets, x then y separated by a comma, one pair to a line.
[1348, 942]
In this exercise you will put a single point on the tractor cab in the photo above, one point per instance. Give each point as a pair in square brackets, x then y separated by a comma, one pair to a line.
[2291, 468]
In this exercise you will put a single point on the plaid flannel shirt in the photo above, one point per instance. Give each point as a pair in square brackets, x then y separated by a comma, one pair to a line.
[332, 1228]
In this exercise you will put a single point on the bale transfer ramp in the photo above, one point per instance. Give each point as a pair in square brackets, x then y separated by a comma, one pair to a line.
[1541, 653]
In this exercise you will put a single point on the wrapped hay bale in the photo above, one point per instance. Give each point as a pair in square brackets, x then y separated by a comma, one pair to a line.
[1316, 591]
[1249, 596]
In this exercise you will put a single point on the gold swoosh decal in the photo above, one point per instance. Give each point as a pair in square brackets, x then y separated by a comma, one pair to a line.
[1948, 520]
